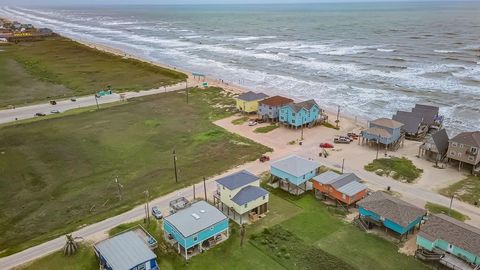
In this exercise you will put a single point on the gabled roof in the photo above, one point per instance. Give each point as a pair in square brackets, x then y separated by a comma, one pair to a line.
[452, 231]
[411, 121]
[238, 179]
[295, 165]
[468, 138]
[187, 224]
[388, 123]
[440, 139]
[348, 184]
[391, 208]
[125, 251]
[251, 96]
[431, 108]
[378, 132]
[276, 101]
[429, 116]
[248, 194]
[307, 105]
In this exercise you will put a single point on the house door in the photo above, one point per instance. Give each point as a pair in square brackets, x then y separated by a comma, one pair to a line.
[450, 248]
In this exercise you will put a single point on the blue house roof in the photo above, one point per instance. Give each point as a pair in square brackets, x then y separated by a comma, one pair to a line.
[295, 165]
[251, 96]
[238, 179]
[198, 217]
[125, 251]
[248, 194]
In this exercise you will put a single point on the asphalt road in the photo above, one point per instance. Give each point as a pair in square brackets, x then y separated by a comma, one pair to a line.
[20, 113]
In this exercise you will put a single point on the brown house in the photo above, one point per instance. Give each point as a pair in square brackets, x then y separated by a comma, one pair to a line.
[465, 148]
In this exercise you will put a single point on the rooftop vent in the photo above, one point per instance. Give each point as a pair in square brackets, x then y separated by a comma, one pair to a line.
[202, 211]
[195, 216]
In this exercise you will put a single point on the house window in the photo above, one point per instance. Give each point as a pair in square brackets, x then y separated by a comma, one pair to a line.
[471, 158]
[454, 144]
[281, 118]
[141, 267]
[461, 145]
[195, 238]
[246, 205]
[293, 114]
[270, 107]
[223, 187]
[212, 228]
[459, 154]
[452, 153]
[303, 176]
[264, 197]
[293, 120]
[473, 150]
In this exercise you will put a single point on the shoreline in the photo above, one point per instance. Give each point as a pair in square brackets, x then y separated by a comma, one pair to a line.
[212, 81]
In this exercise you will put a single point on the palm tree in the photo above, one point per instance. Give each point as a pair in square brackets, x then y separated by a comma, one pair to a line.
[71, 245]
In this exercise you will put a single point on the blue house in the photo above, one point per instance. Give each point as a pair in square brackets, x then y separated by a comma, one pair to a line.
[126, 251]
[442, 234]
[269, 108]
[293, 173]
[195, 228]
[383, 131]
[381, 209]
[304, 113]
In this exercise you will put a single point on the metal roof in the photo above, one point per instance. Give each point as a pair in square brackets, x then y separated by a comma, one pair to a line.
[453, 232]
[378, 132]
[187, 224]
[248, 194]
[295, 165]
[385, 122]
[326, 177]
[352, 188]
[431, 108]
[251, 96]
[307, 105]
[276, 101]
[391, 208]
[238, 179]
[440, 139]
[125, 251]
[429, 116]
[411, 121]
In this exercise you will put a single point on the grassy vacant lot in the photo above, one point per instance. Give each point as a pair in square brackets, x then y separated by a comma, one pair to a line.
[404, 168]
[440, 209]
[303, 228]
[265, 129]
[467, 190]
[240, 120]
[59, 67]
[58, 174]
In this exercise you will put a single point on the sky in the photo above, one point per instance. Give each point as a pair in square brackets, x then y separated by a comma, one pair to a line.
[129, 2]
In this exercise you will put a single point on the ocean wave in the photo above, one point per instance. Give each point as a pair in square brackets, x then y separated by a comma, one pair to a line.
[385, 50]
[251, 38]
[445, 51]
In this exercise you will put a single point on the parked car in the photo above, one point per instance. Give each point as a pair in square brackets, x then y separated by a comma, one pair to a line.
[341, 140]
[73, 99]
[264, 158]
[352, 135]
[40, 114]
[54, 111]
[252, 123]
[157, 213]
[53, 102]
[346, 138]
[260, 120]
[326, 145]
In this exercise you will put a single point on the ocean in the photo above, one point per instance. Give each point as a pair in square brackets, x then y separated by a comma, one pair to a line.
[371, 59]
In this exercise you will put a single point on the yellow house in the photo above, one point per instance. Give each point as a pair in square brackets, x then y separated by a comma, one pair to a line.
[240, 197]
[248, 102]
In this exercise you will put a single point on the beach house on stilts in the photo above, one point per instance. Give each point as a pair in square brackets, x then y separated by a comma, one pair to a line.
[293, 173]
[384, 133]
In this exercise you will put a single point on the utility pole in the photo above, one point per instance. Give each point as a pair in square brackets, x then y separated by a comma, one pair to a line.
[242, 234]
[451, 202]
[343, 164]
[147, 207]
[119, 188]
[186, 89]
[96, 100]
[205, 188]
[377, 148]
[301, 137]
[193, 191]
[338, 116]
[175, 165]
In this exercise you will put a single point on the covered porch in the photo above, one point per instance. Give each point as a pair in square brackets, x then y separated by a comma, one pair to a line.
[198, 248]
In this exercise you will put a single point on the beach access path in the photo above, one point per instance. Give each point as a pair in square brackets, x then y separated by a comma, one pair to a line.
[26, 112]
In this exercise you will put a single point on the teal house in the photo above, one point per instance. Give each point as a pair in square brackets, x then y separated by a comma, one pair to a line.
[196, 228]
[293, 173]
[445, 235]
[304, 113]
[381, 209]
[384, 131]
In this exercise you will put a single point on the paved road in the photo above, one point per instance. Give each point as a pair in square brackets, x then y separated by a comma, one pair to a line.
[9, 115]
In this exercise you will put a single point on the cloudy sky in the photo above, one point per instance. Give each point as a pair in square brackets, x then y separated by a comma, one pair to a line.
[124, 2]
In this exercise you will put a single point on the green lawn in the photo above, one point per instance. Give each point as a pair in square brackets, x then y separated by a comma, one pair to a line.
[59, 68]
[467, 190]
[265, 129]
[302, 234]
[404, 168]
[57, 174]
[440, 209]
[240, 120]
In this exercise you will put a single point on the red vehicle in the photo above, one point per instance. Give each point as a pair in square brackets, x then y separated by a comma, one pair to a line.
[264, 158]
[326, 145]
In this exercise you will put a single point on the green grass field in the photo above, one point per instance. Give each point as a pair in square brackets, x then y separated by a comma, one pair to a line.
[303, 234]
[404, 168]
[57, 174]
[467, 190]
[60, 68]
[265, 129]
[440, 209]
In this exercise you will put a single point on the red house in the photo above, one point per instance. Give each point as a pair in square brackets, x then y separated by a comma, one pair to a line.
[345, 188]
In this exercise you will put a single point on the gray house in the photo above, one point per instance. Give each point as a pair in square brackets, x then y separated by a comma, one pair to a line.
[435, 146]
[464, 148]
[269, 107]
